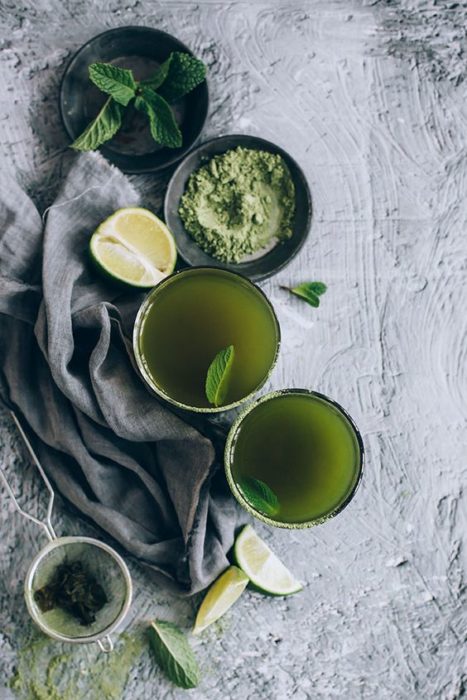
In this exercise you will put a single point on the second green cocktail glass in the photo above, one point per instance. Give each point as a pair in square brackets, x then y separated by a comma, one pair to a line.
[187, 319]
[294, 458]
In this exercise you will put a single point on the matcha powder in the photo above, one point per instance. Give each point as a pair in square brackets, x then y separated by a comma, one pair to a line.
[239, 203]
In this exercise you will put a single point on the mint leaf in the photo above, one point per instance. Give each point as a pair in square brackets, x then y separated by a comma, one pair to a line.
[116, 82]
[164, 128]
[217, 378]
[317, 288]
[259, 495]
[174, 655]
[104, 126]
[185, 73]
[156, 80]
[310, 291]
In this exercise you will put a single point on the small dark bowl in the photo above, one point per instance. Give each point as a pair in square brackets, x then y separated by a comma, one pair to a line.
[140, 48]
[271, 261]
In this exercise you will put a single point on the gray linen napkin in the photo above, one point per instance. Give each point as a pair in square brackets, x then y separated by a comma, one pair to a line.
[119, 456]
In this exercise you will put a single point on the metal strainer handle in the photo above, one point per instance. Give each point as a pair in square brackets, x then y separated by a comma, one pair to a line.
[45, 524]
[105, 644]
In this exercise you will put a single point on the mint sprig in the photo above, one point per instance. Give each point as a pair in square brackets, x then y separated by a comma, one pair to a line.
[174, 78]
[104, 126]
[259, 495]
[119, 83]
[174, 655]
[217, 378]
[310, 291]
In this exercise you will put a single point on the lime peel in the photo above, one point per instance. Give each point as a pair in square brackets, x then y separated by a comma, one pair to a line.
[133, 246]
[264, 569]
[223, 593]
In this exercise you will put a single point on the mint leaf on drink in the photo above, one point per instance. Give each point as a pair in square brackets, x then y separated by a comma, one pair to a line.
[156, 80]
[174, 655]
[164, 128]
[259, 495]
[184, 74]
[310, 291]
[217, 378]
[119, 83]
[104, 126]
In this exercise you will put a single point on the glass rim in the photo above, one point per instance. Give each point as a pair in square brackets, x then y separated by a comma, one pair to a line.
[230, 446]
[140, 316]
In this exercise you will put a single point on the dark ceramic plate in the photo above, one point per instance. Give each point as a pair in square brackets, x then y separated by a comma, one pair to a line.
[270, 262]
[142, 49]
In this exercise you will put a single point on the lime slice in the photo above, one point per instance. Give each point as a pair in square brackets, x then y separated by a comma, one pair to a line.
[135, 247]
[261, 565]
[220, 597]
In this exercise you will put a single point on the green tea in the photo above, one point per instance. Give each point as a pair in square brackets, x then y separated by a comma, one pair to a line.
[302, 450]
[189, 318]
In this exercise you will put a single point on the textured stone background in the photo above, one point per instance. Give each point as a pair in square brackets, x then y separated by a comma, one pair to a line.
[370, 99]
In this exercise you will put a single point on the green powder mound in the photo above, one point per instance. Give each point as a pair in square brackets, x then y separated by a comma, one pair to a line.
[239, 203]
[48, 670]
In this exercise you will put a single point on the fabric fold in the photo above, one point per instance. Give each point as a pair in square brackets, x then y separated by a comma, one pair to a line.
[143, 474]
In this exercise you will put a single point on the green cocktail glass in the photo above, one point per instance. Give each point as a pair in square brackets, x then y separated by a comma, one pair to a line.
[294, 458]
[187, 319]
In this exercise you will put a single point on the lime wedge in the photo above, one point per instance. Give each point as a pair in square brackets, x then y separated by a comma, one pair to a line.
[220, 597]
[135, 247]
[265, 571]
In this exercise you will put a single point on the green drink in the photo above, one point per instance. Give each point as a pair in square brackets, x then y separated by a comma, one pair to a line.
[191, 316]
[294, 458]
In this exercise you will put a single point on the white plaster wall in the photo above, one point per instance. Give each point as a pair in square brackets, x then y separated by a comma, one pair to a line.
[370, 99]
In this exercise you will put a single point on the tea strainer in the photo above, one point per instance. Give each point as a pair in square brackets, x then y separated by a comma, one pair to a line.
[102, 562]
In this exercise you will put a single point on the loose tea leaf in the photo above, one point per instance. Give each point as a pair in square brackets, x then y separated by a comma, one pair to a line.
[73, 589]
[259, 495]
[119, 83]
[174, 655]
[310, 291]
[104, 126]
[217, 378]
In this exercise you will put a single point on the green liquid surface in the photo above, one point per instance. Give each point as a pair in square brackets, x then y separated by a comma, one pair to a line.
[301, 447]
[193, 316]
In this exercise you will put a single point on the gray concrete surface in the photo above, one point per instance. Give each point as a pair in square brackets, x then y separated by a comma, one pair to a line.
[370, 99]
